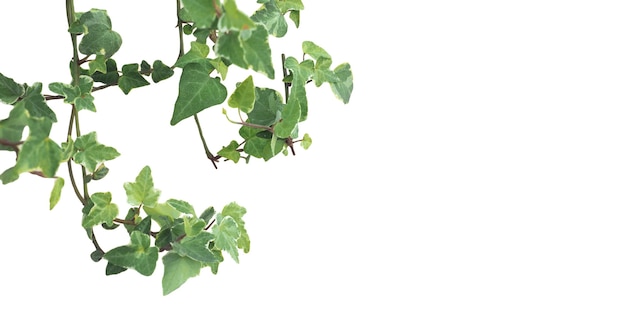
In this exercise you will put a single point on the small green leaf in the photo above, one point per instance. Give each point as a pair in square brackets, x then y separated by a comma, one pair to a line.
[306, 141]
[243, 96]
[10, 91]
[196, 92]
[142, 192]
[131, 78]
[113, 269]
[161, 71]
[90, 152]
[270, 16]
[111, 77]
[55, 195]
[98, 65]
[35, 103]
[99, 39]
[233, 19]
[231, 151]
[181, 206]
[315, 51]
[177, 270]
[102, 211]
[226, 235]
[196, 54]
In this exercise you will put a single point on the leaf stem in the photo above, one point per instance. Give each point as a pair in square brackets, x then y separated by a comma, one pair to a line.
[208, 153]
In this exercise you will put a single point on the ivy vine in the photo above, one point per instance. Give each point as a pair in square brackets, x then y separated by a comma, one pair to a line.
[214, 36]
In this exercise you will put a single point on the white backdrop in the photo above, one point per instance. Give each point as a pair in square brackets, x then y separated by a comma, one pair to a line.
[475, 180]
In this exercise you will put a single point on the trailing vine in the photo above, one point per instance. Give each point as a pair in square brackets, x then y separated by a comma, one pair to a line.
[214, 37]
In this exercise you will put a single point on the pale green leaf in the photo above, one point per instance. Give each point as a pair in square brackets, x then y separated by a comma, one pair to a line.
[343, 88]
[142, 191]
[90, 153]
[177, 270]
[103, 211]
[290, 119]
[55, 195]
[233, 19]
[202, 12]
[243, 97]
[226, 235]
[196, 247]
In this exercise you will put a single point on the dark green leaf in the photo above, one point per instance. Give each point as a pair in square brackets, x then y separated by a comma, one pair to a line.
[139, 255]
[10, 91]
[196, 54]
[197, 91]
[131, 78]
[161, 71]
[99, 38]
[113, 269]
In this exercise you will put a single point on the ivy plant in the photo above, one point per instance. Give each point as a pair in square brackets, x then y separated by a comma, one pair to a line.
[214, 38]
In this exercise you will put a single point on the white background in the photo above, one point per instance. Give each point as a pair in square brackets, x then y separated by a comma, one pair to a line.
[476, 180]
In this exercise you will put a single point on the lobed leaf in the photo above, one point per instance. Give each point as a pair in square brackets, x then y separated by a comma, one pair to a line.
[196, 92]
[10, 91]
[142, 191]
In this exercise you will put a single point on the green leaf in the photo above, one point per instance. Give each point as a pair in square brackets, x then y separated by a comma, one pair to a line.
[12, 128]
[90, 152]
[313, 50]
[289, 121]
[271, 17]
[196, 92]
[301, 74]
[243, 97]
[237, 212]
[267, 109]
[343, 88]
[142, 192]
[306, 141]
[10, 91]
[193, 225]
[131, 78]
[287, 5]
[98, 65]
[226, 235]
[181, 206]
[113, 269]
[111, 77]
[103, 211]
[55, 195]
[252, 52]
[262, 147]
[202, 12]
[196, 54]
[79, 95]
[233, 19]
[161, 71]
[162, 213]
[177, 270]
[207, 214]
[35, 103]
[231, 151]
[196, 247]
[294, 15]
[99, 39]
[139, 255]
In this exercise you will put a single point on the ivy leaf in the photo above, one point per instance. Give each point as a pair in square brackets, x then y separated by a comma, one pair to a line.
[294, 15]
[161, 71]
[99, 39]
[315, 51]
[202, 12]
[131, 78]
[55, 195]
[301, 74]
[98, 65]
[35, 103]
[181, 206]
[243, 96]
[226, 235]
[111, 77]
[196, 247]
[196, 92]
[90, 152]
[142, 192]
[237, 212]
[261, 147]
[162, 213]
[343, 88]
[79, 95]
[196, 54]
[231, 151]
[10, 91]
[287, 5]
[290, 118]
[103, 211]
[177, 270]
[251, 52]
[306, 141]
[138, 255]
[270, 16]
[267, 109]
[233, 19]
[12, 128]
